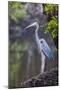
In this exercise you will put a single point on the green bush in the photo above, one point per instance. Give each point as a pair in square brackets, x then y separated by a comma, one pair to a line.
[52, 27]
[51, 11]
[16, 10]
[15, 5]
[49, 8]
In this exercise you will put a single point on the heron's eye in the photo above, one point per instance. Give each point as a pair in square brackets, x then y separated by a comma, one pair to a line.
[41, 41]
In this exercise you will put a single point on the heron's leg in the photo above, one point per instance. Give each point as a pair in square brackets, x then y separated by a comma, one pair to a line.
[42, 62]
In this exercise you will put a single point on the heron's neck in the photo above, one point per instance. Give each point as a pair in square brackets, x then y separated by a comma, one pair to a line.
[37, 28]
[36, 32]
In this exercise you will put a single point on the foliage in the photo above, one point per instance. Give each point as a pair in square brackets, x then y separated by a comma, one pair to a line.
[52, 23]
[52, 27]
[15, 5]
[49, 8]
[16, 52]
[16, 10]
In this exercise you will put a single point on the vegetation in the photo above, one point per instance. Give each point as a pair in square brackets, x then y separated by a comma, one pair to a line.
[50, 8]
[16, 10]
[52, 24]
[16, 50]
[52, 27]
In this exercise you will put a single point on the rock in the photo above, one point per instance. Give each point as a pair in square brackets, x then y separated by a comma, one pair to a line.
[49, 78]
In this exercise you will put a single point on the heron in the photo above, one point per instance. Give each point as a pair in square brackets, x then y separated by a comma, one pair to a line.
[43, 47]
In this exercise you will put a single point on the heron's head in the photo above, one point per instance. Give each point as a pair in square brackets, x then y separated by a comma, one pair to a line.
[32, 24]
[46, 49]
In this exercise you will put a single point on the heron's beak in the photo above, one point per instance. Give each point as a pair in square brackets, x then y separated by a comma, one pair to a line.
[47, 51]
[33, 24]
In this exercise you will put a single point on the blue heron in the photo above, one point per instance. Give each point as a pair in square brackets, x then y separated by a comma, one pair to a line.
[43, 47]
